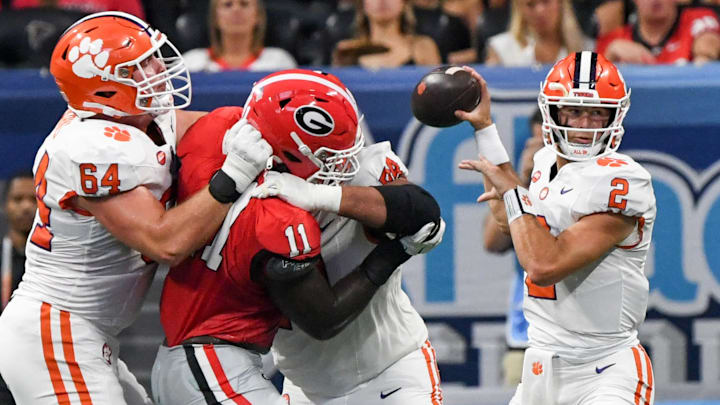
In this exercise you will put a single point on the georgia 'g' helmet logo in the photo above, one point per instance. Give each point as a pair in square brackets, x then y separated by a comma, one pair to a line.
[314, 120]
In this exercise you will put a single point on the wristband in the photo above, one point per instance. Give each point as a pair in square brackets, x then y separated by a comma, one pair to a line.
[328, 197]
[490, 146]
[517, 202]
[222, 188]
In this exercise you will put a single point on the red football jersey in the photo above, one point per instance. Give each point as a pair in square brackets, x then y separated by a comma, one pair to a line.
[217, 292]
[677, 46]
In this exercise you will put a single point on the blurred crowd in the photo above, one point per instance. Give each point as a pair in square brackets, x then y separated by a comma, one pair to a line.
[219, 35]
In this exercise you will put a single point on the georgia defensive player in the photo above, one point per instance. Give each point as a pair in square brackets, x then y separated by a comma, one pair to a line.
[582, 233]
[264, 267]
[103, 178]
[384, 353]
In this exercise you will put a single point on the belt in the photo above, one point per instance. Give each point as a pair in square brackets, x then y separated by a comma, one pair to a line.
[212, 340]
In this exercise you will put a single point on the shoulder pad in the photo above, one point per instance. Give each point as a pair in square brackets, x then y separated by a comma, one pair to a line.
[281, 268]
[99, 141]
[205, 136]
[102, 158]
[286, 230]
[616, 184]
[378, 165]
[544, 154]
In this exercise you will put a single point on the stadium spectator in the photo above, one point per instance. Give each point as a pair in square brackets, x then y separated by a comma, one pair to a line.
[471, 13]
[540, 32]
[599, 17]
[20, 208]
[385, 38]
[664, 33]
[133, 7]
[497, 241]
[237, 35]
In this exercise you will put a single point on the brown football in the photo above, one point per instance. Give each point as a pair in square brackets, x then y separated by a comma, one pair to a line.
[442, 91]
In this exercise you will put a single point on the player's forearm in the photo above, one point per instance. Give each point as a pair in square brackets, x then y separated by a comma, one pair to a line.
[495, 240]
[497, 209]
[185, 228]
[363, 204]
[538, 251]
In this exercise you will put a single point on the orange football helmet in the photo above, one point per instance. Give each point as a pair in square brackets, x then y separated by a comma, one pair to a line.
[101, 64]
[311, 121]
[583, 79]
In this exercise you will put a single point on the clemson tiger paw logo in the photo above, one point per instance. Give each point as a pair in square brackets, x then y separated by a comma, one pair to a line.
[612, 162]
[88, 59]
[537, 368]
[117, 134]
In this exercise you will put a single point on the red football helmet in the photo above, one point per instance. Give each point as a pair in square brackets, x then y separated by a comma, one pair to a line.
[583, 79]
[311, 121]
[100, 65]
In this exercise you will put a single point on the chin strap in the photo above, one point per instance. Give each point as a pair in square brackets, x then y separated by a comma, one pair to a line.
[305, 150]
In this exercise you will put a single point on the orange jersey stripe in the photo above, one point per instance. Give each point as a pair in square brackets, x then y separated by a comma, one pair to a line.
[49, 354]
[437, 390]
[222, 378]
[636, 354]
[430, 365]
[69, 352]
[648, 392]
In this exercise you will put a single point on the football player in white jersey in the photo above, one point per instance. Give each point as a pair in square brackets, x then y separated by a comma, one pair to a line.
[383, 355]
[103, 177]
[582, 233]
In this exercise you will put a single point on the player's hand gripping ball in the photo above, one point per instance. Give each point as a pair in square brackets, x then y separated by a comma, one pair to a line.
[442, 91]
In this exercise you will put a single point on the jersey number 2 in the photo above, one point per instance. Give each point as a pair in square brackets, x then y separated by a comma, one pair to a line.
[616, 200]
[42, 235]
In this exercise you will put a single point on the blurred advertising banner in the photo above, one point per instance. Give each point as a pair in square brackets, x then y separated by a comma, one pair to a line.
[463, 292]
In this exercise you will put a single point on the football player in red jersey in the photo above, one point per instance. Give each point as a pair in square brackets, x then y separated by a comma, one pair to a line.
[221, 309]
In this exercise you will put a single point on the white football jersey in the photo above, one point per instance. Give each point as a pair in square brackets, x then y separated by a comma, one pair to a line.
[597, 309]
[73, 262]
[385, 331]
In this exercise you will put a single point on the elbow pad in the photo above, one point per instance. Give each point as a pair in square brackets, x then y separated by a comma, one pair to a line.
[409, 207]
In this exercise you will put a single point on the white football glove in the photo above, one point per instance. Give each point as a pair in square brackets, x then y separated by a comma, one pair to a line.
[424, 240]
[298, 192]
[247, 154]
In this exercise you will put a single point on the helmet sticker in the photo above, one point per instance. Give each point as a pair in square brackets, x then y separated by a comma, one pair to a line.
[314, 120]
[87, 59]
